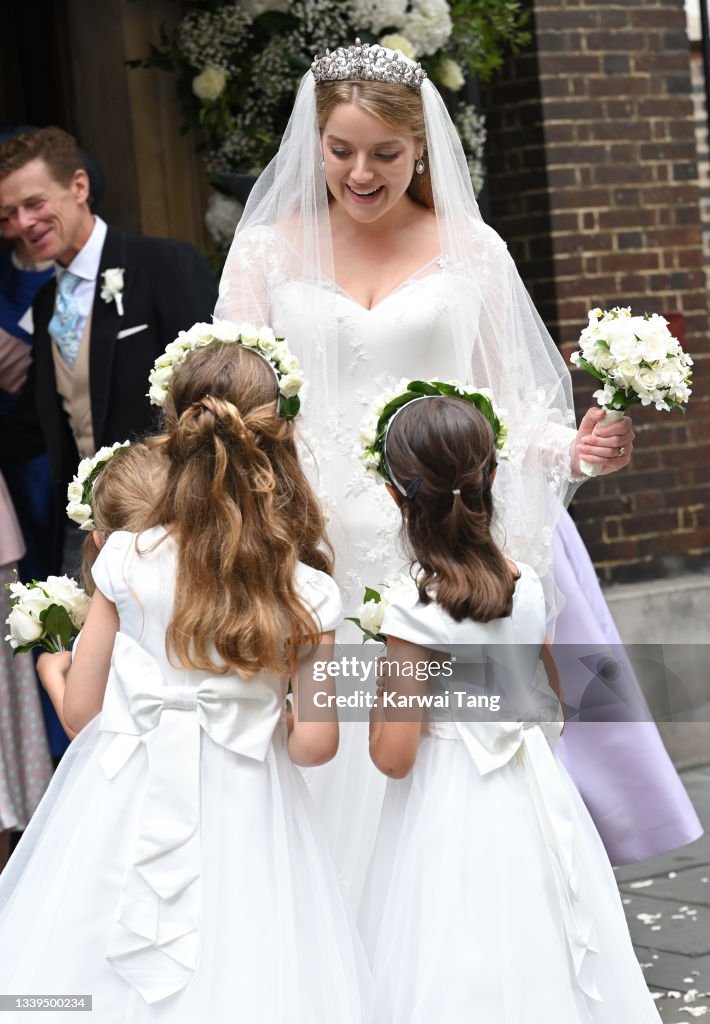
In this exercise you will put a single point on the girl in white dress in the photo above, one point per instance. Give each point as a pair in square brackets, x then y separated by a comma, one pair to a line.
[490, 896]
[174, 872]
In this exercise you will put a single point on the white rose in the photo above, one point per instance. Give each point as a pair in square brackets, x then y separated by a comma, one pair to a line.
[113, 279]
[289, 364]
[75, 491]
[35, 602]
[85, 468]
[62, 590]
[654, 346]
[291, 384]
[450, 75]
[209, 85]
[625, 374]
[225, 330]
[371, 615]
[157, 395]
[24, 628]
[428, 24]
[368, 434]
[401, 43]
[623, 346]
[162, 376]
[78, 513]
[267, 338]
[646, 380]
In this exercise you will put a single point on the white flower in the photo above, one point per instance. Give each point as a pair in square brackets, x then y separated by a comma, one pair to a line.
[450, 75]
[225, 330]
[75, 491]
[222, 216]
[24, 628]
[401, 43]
[371, 615]
[210, 84]
[605, 395]
[428, 25]
[291, 384]
[112, 287]
[157, 395]
[377, 15]
[64, 591]
[368, 434]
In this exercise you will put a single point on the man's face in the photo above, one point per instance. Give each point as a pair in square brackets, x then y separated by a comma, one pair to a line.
[52, 220]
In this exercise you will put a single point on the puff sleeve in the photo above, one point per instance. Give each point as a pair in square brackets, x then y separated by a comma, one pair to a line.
[322, 595]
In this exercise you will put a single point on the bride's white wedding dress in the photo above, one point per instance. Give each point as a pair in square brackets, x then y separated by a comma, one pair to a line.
[412, 332]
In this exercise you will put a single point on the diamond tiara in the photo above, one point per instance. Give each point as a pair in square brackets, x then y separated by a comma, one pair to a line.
[367, 62]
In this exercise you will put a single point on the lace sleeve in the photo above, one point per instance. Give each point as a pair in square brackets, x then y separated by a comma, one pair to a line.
[248, 277]
[513, 354]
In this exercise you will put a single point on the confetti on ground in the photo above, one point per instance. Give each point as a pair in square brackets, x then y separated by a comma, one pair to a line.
[641, 885]
[649, 918]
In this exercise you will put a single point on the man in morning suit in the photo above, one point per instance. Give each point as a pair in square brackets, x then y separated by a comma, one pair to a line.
[116, 301]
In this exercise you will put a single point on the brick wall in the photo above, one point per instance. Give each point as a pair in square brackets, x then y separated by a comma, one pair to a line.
[593, 183]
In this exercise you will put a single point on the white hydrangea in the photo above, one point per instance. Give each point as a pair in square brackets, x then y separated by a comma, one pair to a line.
[428, 25]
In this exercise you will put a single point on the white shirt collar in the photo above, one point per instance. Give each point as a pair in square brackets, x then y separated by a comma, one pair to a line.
[86, 262]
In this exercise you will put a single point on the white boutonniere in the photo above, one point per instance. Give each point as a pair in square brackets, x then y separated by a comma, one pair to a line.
[112, 287]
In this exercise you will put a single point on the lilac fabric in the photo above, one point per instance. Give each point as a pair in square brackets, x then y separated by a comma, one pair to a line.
[621, 768]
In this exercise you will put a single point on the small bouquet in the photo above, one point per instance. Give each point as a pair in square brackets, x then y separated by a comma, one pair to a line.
[372, 612]
[637, 360]
[49, 614]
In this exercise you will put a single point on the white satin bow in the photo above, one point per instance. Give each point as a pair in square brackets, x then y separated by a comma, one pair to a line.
[154, 939]
[491, 747]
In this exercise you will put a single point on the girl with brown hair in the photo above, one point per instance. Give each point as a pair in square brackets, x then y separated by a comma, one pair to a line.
[177, 816]
[489, 895]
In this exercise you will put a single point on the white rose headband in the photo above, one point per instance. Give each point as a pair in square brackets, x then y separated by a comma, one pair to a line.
[273, 350]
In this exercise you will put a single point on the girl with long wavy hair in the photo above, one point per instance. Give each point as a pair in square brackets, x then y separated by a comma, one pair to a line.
[174, 870]
[489, 896]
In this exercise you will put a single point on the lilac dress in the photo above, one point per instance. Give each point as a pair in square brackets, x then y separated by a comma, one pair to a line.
[621, 769]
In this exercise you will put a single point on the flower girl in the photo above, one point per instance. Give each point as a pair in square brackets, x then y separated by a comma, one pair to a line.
[490, 896]
[173, 872]
[122, 486]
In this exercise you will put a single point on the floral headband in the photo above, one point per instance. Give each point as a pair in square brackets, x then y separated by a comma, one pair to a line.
[374, 430]
[79, 490]
[262, 340]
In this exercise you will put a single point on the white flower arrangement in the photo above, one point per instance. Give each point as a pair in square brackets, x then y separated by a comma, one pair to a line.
[261, 340]
[637, 360]
[371, 613]
[373, 430]
[112, 287]
[79, 490]
[48, 614]
[239, 64]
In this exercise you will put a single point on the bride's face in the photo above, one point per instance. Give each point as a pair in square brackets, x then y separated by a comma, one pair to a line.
[368, 167]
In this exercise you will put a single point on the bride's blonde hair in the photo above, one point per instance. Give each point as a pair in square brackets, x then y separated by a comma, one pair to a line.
[244, 516]
[398, 106]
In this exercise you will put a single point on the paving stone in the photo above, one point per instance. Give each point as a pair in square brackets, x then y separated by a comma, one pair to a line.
[690, 885]
[676, 930]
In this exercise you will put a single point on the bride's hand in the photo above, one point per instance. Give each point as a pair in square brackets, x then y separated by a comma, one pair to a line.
[608, 444]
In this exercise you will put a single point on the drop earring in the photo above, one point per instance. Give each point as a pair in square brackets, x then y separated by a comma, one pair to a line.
[419, 165]
[322, 162]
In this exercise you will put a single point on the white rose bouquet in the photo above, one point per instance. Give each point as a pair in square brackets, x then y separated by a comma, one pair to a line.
[637, 360]
[48, 614]
[372, 611]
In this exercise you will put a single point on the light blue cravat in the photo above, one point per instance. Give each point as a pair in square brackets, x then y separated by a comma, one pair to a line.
[64, 325]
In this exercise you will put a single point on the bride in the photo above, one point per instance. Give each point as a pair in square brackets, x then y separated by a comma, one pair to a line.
[362, 243]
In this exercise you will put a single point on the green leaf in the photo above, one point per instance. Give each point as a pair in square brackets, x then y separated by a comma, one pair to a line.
[584, 365]
[372, 595]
